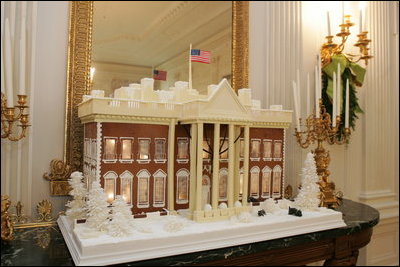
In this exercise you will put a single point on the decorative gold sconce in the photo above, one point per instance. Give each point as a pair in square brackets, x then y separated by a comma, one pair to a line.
[10, 115]
[330, 48]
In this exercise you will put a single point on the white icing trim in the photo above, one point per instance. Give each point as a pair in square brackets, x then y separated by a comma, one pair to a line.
[98, 150]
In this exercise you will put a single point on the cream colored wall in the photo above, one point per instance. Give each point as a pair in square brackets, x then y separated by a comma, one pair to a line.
[367, 170]
[108, 74]
[284, 36]
[46, 84]
[202, 74]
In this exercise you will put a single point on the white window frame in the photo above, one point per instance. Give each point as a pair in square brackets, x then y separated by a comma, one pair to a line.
[126, 175]
[272, 147]
[278, 158]
[143, 161]
[143, 174]
[223, 171]
[93, 149]
[259, 149]
[165, 150]
[221, 139]
[255, 169]
[266, 169]
[86, 148]
[241, 157]
[179, 160]
[278, 167]
[104, 149]
[184, 171]
[159, 174]
[121, 139]
[110, 175]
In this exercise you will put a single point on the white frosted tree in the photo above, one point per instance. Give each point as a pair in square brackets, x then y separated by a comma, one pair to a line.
[77, 206]
[308, 196]
[121, 218]
[98, 210]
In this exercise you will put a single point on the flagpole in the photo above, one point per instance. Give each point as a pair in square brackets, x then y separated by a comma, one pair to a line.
[190, 67]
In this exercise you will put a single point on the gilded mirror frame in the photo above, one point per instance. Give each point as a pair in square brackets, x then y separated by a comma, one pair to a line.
[79, 58]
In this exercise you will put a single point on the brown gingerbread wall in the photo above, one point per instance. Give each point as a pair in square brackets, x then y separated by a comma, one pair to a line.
[136, 131]
[266, 133]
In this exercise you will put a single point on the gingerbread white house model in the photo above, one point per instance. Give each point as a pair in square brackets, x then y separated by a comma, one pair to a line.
[178, 150]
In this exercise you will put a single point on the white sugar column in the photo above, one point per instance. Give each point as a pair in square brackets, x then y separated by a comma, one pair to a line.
[246, 164]
[199, 169]
[231, 164]
[237, 165]
[215, 172]
[193, 153]
[171, 146]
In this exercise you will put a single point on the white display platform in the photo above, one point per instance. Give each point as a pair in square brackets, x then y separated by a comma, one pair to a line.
[102, 249]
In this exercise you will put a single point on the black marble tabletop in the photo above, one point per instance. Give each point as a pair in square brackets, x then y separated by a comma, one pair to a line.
[46, 247]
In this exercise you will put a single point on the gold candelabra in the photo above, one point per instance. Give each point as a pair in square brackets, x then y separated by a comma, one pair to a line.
[321, 130]
[10, 115]
[330, 48]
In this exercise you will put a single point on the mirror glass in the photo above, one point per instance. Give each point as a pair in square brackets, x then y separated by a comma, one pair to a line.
[137, 39]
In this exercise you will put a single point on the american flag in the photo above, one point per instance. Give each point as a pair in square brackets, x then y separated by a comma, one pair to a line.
[197, 55]
[160, 75]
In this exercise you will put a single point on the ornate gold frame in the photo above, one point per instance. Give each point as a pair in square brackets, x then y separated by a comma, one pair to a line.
[79, 58]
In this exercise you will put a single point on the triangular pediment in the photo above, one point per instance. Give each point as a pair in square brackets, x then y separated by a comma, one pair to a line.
[224, 102]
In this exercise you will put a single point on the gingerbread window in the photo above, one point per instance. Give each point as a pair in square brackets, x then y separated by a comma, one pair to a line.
[110, 149]
[223, 184]
[266, 182]
[254, 181]
[159, 188]
[277, 180]
[144, 150]
[160, 156]
[110, 185]
[143, 189]
[183, 150]
[277, 150]
[267, 149]
[255, 149]
[182, 186]
[126, 186]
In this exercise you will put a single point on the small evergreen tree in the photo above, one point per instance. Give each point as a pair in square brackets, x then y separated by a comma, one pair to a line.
[308, 197]
[77, 206]
[121, 218]
[98, 210]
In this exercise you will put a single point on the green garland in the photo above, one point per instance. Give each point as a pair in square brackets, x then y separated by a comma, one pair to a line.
[349, 70]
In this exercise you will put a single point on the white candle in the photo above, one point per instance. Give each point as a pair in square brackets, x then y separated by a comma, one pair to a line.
[329, 23]
[316, 93]
[298, 92]
[22, 58]
[360, 20]
[334, 101]
[296, 106]
[308, 94]
[342, 12]
[338, 89]
[8, 64]
[347, 105]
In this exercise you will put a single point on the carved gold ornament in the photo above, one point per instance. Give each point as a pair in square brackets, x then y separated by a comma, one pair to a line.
[7, 227]
[44, 210]
[59, 174]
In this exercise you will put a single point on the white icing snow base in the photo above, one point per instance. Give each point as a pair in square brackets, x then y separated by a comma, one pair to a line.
[89, 247]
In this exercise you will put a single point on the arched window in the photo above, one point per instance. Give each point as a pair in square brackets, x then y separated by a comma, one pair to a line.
[110, 182]
[223, 184]
[277, 180]
[266, 182]
[126, 179]
[159, 188]
[254, 181]
[182, 192]
[143, 189]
